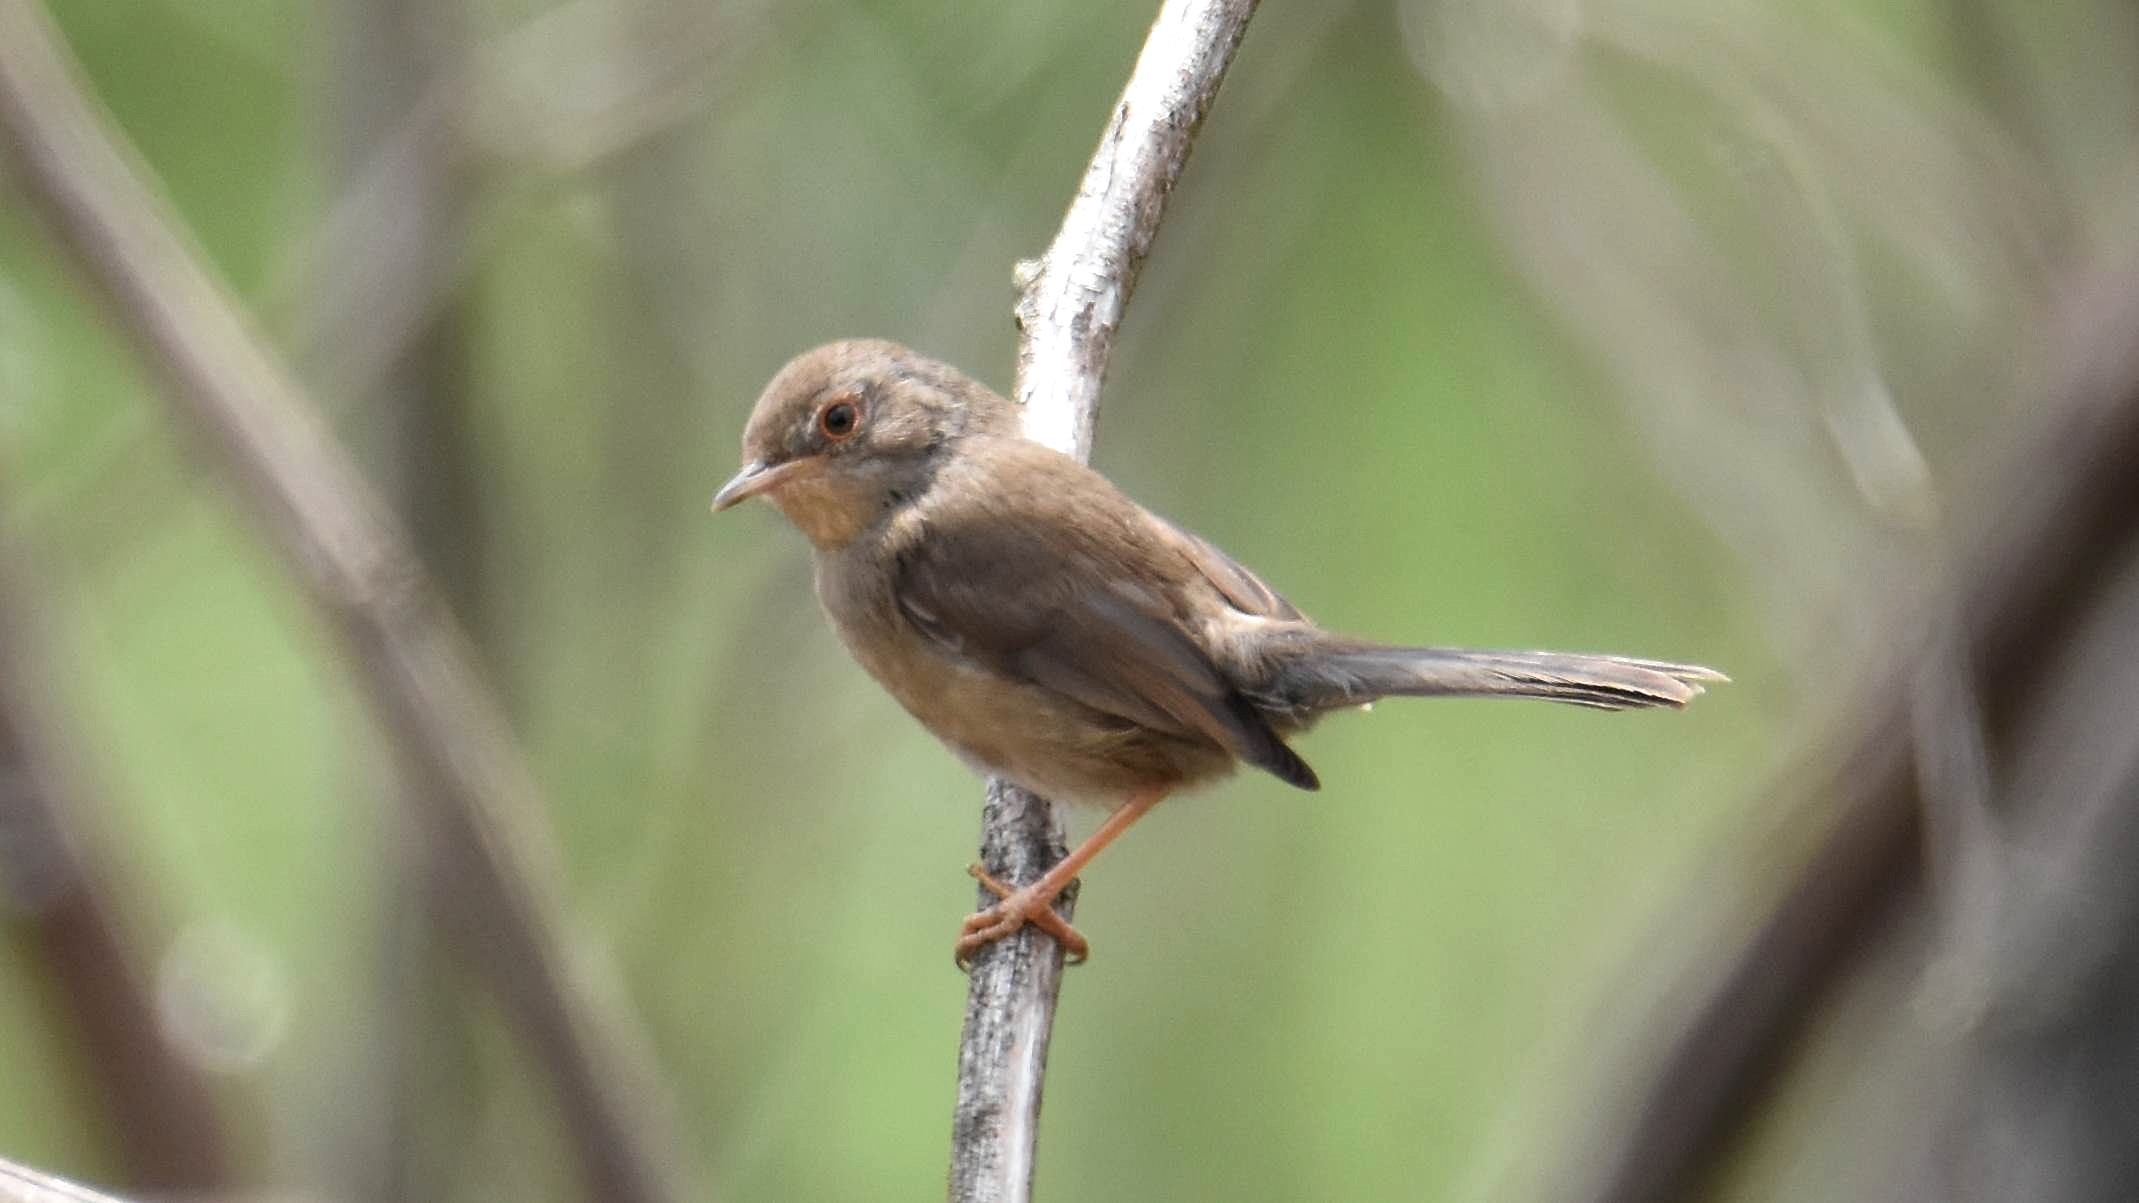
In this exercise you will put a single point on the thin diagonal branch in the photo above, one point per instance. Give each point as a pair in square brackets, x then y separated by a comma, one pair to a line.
[21, 1184]
[473, 802]
[1071, 304]
[1071, 299]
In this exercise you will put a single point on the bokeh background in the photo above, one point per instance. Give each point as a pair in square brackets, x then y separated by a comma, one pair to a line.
[1654, 326]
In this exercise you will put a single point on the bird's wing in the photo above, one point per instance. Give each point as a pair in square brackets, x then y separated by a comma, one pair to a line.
[1242, 589]
[1059, 613]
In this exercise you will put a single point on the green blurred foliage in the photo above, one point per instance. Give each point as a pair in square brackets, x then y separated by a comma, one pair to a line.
[1393, 989]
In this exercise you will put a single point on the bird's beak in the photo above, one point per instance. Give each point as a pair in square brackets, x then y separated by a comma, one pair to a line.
[755, 478]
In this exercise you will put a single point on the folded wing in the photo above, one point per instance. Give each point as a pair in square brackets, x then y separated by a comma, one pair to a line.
[1048, 607]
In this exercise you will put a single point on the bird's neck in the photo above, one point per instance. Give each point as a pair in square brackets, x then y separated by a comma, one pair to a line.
[835, 512]
[830, 522]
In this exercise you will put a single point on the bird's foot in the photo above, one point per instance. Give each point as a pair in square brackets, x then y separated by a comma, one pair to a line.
[1016, 909]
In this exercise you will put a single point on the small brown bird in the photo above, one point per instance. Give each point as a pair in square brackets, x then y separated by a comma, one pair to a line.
[1052, 631]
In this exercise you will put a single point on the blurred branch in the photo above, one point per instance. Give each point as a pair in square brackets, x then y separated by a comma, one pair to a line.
[586, 82]
[61, 903]
[387, 313]
[504, 106]
[2059, 522]
[576, 89]
[475, 805]
[2045, 946]
[1071, 304]
[21, 1184]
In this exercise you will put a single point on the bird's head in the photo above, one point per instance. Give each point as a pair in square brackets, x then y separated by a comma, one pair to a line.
[850, 431]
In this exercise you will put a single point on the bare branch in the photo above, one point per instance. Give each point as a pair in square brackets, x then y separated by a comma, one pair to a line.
[2054, 525]
[1073, 297]
[64, 903]
[1071, 304]
[473, 801]
[387, 327]
[21, 1184]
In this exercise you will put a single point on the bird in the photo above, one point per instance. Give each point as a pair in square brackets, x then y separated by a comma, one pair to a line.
[1052, 632]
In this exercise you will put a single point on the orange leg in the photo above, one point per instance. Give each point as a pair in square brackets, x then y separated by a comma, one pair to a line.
[1045, 918]
[1035, 903]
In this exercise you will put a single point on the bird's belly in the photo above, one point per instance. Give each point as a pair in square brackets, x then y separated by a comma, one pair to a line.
[1032, 735]
[996, 722]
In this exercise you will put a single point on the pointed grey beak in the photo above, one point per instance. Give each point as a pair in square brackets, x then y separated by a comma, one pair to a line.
[755, 478]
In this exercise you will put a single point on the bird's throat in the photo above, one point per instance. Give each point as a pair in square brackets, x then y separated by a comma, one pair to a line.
[831, 512]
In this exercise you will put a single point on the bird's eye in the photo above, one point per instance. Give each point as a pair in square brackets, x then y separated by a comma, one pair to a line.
[839, 419]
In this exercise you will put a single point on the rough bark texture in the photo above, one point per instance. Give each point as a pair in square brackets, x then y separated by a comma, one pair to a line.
[473, 802]
[1071, 299]
[1010, 1012]
[1070, 305]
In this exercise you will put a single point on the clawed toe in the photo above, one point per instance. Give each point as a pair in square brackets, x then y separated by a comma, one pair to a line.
[1014, 910]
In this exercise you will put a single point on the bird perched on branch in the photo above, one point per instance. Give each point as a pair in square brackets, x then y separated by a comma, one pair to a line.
[1053, 632]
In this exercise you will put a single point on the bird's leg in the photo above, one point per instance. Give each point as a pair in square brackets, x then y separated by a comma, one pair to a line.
[1034, 904]
[1045, 918]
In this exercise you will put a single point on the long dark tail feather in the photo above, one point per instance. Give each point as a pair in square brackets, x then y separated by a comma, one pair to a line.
[1331, 676]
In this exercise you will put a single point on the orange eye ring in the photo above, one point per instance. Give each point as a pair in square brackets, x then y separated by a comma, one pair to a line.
[841, 418]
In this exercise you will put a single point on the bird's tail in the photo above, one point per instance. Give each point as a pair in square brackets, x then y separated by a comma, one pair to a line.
[1327, 677]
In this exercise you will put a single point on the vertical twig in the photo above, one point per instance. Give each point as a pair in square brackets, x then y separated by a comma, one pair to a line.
[473, 802]
[1070, 305]
[388, 329]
